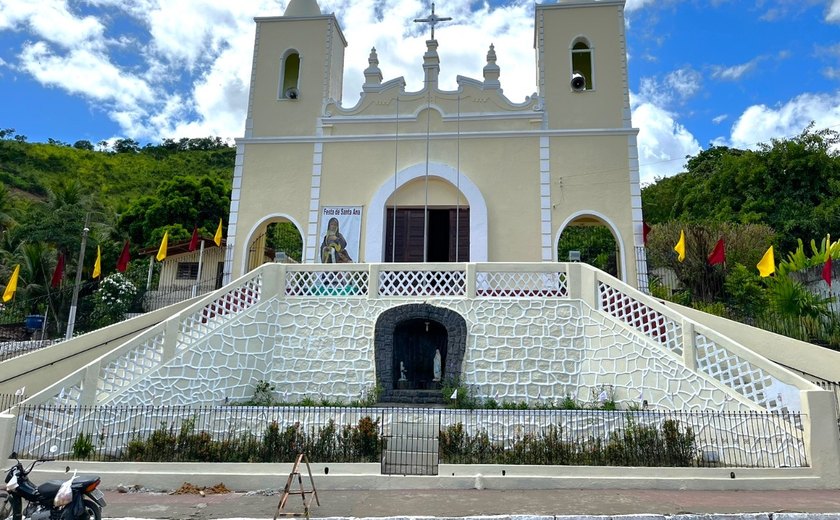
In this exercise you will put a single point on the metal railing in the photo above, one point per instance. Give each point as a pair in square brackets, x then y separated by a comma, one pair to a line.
[8, 401]
[13, 349]
[344, 434]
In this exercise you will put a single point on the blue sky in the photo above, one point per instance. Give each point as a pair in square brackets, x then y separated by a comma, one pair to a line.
[727, 72]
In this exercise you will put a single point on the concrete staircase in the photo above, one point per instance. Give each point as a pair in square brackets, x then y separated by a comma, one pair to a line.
[424, 397]
[412, 448]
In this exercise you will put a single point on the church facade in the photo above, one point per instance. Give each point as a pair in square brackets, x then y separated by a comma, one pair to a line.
[464, 175]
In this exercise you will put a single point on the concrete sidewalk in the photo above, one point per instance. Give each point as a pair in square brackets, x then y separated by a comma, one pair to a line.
[447, 503]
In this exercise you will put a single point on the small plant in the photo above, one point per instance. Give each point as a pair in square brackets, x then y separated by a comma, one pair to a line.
[83, 446]
[463, 398]
[263, 394]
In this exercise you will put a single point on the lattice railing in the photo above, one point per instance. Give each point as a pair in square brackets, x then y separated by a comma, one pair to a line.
[133, 360]
[198, 324]
[404, 282]
[662, 329]
[122, 371]
[734, 371]
[327, 283]
[521, 284]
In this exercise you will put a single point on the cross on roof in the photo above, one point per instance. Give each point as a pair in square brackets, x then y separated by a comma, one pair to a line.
[433, 20]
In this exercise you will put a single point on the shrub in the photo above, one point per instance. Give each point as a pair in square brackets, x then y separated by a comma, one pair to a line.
[83, 446]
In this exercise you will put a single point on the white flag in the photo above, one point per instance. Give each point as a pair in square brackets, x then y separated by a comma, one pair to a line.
[454, 394]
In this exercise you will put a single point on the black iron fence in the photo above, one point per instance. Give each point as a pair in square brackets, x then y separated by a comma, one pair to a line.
[13, 349]
[332, 434]
[9, 400]
[163, 296]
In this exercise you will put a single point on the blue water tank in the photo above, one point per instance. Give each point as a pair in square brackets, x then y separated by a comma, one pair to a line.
[34, 322]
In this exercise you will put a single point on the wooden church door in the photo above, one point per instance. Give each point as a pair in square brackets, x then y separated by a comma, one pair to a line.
[448, 241]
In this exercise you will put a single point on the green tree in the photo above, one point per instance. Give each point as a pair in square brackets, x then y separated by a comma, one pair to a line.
[183, 201]
[791, 185]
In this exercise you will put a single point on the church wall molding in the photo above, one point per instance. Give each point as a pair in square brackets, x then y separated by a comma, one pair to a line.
[503, 134]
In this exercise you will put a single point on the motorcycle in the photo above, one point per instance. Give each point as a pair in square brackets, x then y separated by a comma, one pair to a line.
[85, 501]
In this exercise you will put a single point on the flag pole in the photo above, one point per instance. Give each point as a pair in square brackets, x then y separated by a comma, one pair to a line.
[149, 277]
[71, 320]
[198, 275]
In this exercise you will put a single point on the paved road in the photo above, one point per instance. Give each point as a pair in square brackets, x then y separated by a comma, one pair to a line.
[463, 503]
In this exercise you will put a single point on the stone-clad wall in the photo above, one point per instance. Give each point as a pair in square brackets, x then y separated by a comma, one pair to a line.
[516, 350]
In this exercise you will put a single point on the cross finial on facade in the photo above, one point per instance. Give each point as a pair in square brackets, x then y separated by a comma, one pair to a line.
[433, 20]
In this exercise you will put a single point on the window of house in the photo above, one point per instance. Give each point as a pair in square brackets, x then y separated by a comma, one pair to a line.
[187, 271]
[290, 76]
[582, 62]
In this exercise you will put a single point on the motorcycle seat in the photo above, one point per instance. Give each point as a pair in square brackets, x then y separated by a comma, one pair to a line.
[50, 488]
[82, 481]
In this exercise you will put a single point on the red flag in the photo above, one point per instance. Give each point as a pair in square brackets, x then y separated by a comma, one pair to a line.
[827, 271]
[718, 255]
[194, 240]
[58, 274]
[645, 231]
[125, 257]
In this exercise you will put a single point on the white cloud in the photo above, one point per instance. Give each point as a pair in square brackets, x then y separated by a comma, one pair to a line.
[52, 21]
[677, 87]
[760, 123]
[736, 72]
[85, 73]
[634, 5]
[663, 143]
[832, 14]
[720, 119]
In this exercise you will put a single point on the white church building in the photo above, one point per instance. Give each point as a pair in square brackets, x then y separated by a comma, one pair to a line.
[464, 175]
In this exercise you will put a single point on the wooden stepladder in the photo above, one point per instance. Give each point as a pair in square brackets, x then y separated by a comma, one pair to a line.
[288, 489]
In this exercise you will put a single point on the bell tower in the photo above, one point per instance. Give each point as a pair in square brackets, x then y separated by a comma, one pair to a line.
[298, 67]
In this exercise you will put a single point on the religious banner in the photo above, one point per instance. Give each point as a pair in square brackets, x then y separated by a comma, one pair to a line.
[341, 229]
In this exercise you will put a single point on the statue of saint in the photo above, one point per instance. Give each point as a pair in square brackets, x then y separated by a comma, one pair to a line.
[402, 372]
[437, 368]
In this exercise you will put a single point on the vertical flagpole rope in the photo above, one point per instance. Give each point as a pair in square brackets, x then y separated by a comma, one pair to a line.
[394, 195]
[458, 182]
[426, 201]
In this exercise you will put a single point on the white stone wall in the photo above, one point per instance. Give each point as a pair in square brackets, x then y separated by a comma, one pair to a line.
[536, 350]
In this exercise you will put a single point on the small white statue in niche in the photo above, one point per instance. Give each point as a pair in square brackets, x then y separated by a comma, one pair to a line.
[437, 367]
[402, 372]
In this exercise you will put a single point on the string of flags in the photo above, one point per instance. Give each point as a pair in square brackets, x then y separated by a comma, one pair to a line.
[122, 261]
[766, 266]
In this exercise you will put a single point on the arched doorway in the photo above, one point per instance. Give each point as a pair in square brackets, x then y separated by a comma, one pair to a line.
[277, 239]
[402, 335]
[437, 231]
[590, 240]
[446, 187]
[418, 343]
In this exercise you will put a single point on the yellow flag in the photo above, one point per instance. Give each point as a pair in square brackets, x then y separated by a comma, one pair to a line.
[680, 247]
[11, 287]
[164, 244]
[97, 266]
[766, 266]
[218, 237]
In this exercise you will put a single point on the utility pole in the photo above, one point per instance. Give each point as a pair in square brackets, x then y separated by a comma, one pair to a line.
[71, 320]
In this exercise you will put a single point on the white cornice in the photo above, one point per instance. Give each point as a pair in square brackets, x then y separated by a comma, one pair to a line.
[414, 117]
[506, 134]
[564, 4]
[304, 18]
